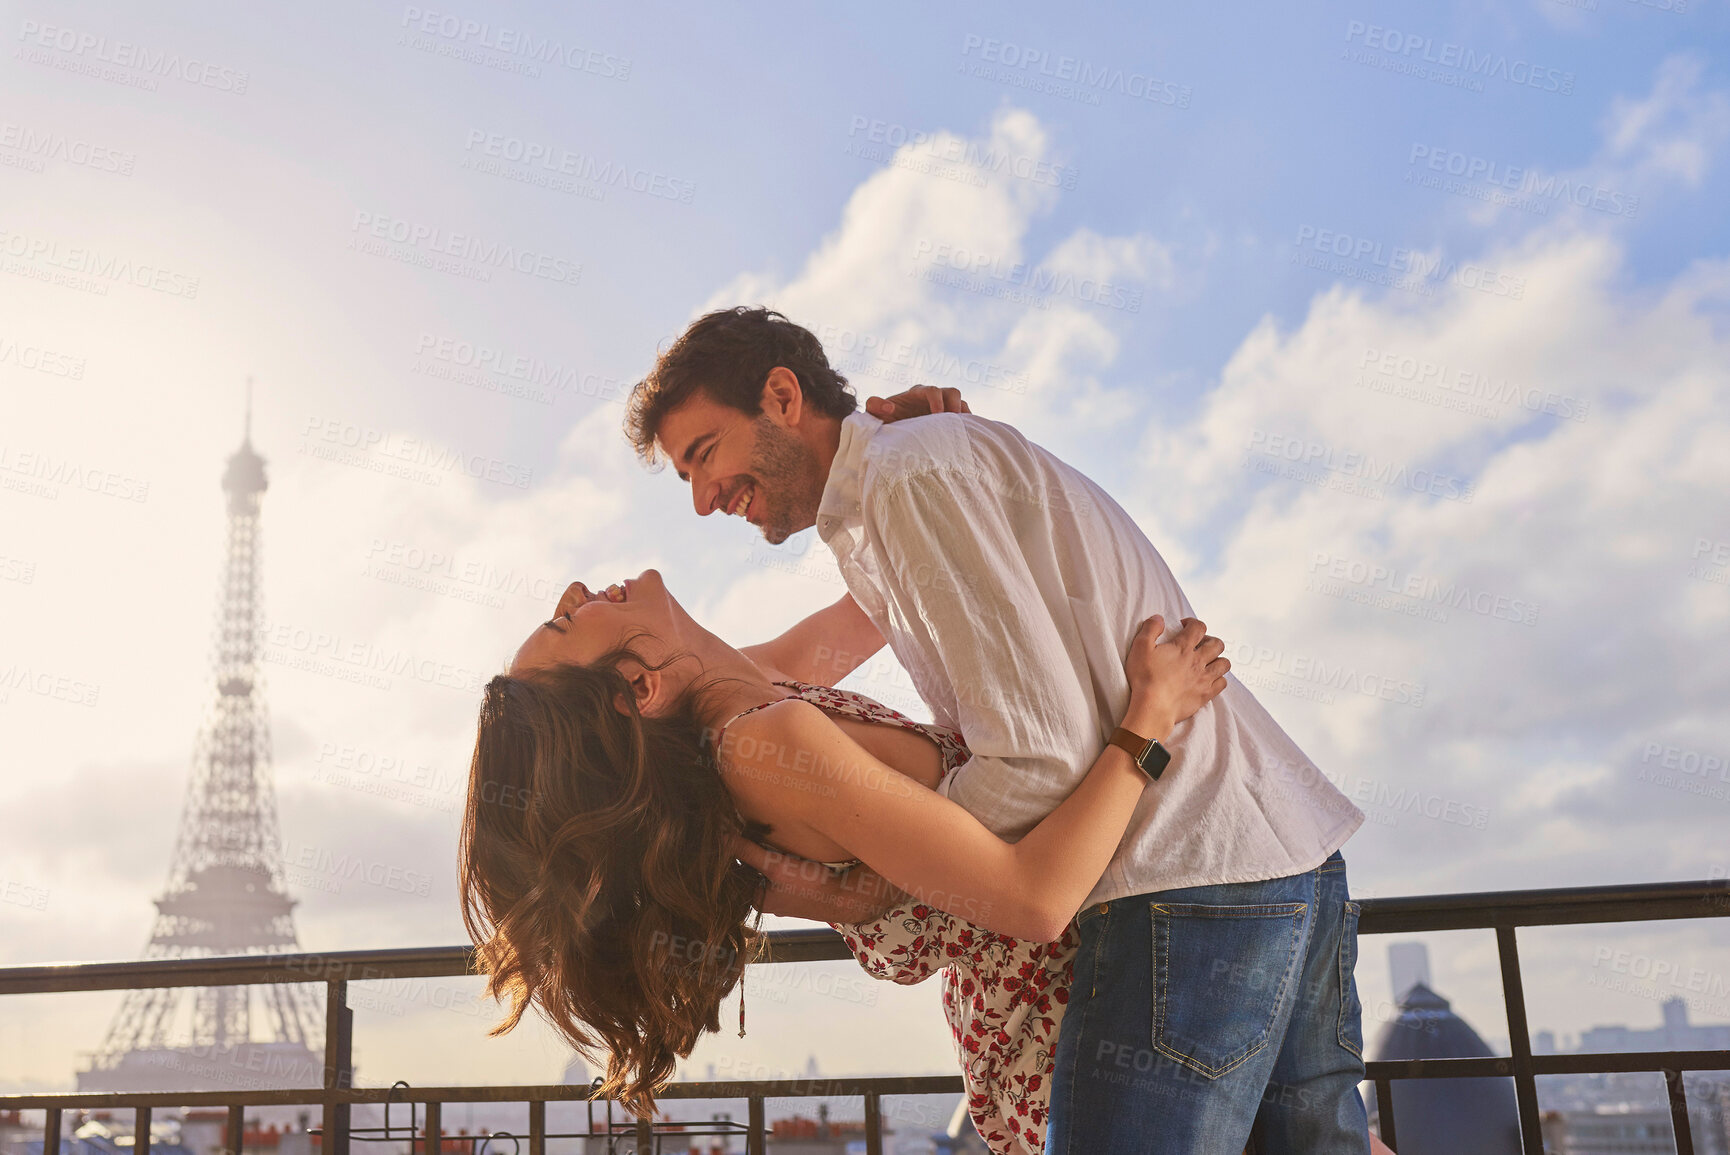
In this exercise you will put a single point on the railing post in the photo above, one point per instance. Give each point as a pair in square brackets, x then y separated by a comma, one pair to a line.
[1385, 1114]
[141, 1131]
[538, 1127]
[435, 1124]
[1679, 1113]
[756, 1134]
[873, 1124]
[1520, 1041]
[236, 1129]
[338, 1067]
[51, 1131]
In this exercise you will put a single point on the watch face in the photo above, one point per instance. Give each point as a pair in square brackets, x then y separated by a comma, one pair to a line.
[1154, 760]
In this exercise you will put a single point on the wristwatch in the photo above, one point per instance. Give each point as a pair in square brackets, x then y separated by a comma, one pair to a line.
[1147, 752]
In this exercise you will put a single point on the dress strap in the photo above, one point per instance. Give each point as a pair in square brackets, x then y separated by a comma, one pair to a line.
[794, 686]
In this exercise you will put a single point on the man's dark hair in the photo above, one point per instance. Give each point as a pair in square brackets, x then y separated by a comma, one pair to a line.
[728, 355]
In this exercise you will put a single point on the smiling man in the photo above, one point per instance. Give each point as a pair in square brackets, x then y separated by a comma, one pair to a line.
[1213, 988]
[749, 415]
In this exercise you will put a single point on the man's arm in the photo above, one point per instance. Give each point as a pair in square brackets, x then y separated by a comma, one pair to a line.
[824, 648]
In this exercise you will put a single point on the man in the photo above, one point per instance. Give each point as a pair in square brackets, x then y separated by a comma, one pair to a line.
[1215, 967]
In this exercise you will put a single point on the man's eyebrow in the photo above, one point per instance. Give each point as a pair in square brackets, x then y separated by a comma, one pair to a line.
[691, 449]
[553, 625]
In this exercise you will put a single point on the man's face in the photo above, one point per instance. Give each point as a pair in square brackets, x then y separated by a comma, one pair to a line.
[753, 466]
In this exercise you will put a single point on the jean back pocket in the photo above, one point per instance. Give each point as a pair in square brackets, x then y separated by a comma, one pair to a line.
[1221, 976]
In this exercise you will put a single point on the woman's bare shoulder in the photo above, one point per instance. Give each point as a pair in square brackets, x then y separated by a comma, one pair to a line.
[769, 757]
[771, 725]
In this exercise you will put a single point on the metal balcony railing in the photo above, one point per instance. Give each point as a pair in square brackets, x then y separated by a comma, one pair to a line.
[1504, 912]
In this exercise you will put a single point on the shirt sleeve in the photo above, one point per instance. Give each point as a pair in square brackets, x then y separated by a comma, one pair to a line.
[975, 585]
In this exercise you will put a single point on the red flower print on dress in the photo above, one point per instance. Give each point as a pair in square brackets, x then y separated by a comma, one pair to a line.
[1003, 997]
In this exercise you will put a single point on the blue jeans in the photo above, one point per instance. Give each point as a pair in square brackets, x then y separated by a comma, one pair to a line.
[1199, 1016]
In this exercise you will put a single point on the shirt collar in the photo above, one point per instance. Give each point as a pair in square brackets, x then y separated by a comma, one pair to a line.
[841, 495]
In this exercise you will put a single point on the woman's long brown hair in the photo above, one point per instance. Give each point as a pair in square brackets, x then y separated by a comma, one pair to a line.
[597, 871]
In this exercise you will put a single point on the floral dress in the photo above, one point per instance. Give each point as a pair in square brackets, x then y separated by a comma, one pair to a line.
[1003, 997]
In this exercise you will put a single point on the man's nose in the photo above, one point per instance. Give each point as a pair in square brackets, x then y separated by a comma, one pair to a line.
[704, 495]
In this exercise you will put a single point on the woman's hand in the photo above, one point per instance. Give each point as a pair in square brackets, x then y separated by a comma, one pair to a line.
[916, 402]
[1169, 681]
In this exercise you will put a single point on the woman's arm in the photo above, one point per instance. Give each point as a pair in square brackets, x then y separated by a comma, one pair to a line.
[823, 648]
[793, 761]
[800, 888]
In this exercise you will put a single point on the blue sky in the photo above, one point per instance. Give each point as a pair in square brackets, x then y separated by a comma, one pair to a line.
[1314, 282]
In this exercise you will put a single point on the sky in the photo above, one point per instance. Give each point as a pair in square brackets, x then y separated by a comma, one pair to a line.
[1407, 344]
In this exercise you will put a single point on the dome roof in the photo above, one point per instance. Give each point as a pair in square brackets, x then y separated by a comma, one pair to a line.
[1428, 1028]
[1445, 1116]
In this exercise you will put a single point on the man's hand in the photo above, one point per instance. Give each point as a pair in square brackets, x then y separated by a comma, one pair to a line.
[800, 888]
[918, 401]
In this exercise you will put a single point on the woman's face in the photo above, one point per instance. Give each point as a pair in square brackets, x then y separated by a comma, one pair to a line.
[588, 623]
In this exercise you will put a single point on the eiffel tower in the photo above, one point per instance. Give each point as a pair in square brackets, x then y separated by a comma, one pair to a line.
[225, 892]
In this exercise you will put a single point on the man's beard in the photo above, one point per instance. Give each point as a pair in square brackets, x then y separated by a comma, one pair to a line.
[789, 483]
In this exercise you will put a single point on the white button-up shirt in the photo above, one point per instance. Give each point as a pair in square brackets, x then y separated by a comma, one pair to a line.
[1010, 587]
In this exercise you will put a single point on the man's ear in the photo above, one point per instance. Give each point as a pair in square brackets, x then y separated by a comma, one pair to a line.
[783, 399]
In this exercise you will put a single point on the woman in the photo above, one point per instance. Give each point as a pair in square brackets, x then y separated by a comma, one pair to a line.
[626, 750]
